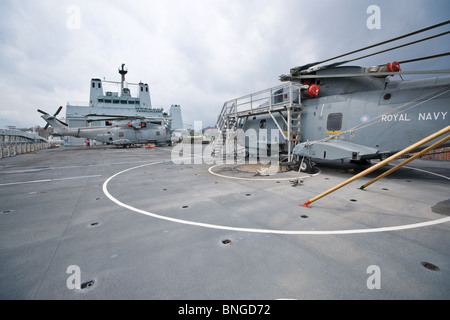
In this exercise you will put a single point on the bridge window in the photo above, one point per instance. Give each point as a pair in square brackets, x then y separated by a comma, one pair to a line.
[262, 124]
[334, 122]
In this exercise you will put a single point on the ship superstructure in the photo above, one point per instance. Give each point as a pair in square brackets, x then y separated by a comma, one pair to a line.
[108, 103]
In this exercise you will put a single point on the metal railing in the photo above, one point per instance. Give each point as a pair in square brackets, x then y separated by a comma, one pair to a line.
[280, 98]
[272, 99]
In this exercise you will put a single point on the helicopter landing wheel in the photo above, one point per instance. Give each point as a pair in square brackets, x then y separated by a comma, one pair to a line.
[306, 165]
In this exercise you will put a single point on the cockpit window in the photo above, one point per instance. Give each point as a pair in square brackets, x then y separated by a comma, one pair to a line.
[334, 122]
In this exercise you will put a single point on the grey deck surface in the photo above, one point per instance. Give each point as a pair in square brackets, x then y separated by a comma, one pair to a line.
[156, 229]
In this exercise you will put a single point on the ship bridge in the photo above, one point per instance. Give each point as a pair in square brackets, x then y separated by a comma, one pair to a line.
[104, 103]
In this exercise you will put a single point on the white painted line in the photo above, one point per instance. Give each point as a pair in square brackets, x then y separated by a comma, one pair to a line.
[429, 172]
[285, 232]
[46, 180]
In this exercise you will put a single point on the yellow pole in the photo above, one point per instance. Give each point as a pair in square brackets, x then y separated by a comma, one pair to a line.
[380, 164]
[433, 146]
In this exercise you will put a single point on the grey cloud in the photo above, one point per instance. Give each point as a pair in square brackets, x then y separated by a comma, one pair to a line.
[194, 53]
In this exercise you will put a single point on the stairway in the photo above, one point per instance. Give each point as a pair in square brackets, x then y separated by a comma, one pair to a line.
[283, 99]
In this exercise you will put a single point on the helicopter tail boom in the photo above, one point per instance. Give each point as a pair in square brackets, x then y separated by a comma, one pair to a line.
[59, 127]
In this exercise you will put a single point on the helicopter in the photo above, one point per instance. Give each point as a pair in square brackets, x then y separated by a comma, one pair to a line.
[335, 112]
[122, 131]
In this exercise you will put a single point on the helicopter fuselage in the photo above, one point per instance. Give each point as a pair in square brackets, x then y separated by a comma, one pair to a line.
[358, 118]
[123, 133]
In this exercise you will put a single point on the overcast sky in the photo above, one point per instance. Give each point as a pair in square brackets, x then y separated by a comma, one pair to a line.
[195, 53]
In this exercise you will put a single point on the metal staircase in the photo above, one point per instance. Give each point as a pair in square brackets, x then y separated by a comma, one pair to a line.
[284, 99]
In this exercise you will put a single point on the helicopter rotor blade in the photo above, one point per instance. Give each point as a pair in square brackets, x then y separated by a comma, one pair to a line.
[116, 117]
[58, 111]
[43, 112]
[363, 74]
[297, 70]
[386, 50]
[106, 119]
[426, 58]
[62, 122]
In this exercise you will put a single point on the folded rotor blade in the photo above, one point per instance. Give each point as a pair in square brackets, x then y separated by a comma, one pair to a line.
[58, 111]
[297, 70]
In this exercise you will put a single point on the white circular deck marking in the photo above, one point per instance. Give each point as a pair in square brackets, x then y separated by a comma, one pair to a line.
[286, 232]
[259, 179]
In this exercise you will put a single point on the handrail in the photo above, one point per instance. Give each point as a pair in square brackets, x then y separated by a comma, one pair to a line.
[263, 97]
[279, 98]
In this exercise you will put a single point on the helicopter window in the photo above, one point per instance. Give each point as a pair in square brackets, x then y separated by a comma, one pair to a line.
[115, 101]
[143, 124]
[158, 133]
[93, 85]
[334, 122]
[100, 100]
[262, 124]
[123, 101]
[108, 123]
[107, 101]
